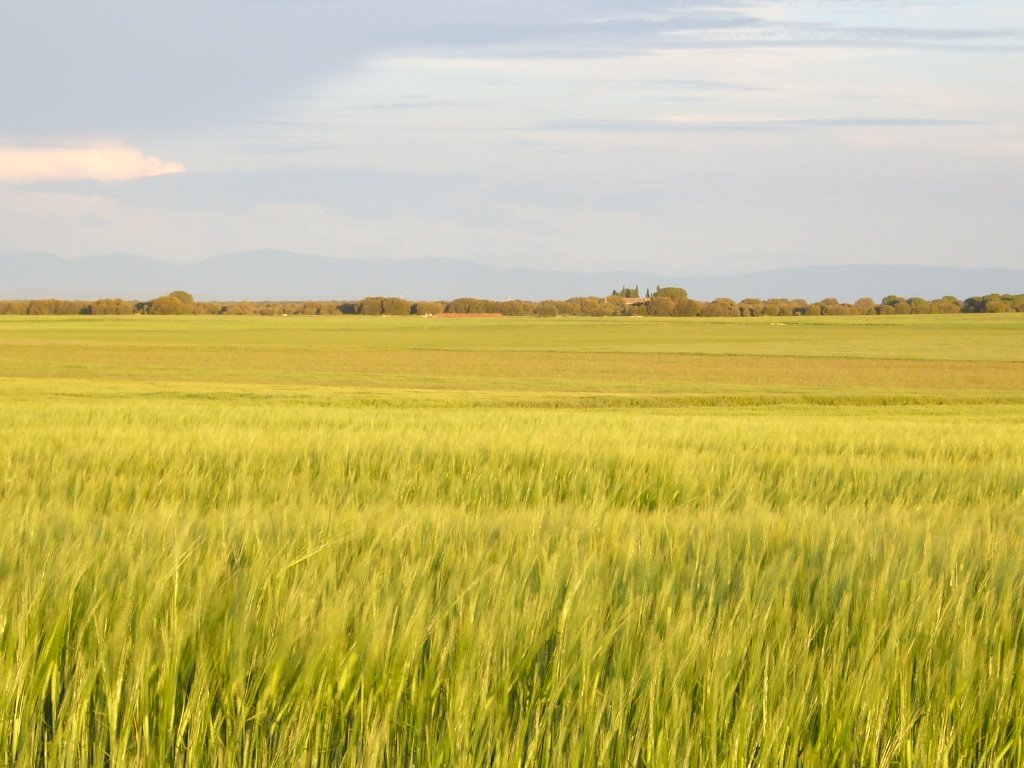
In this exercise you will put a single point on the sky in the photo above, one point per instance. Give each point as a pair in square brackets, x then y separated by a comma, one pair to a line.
[696, 137]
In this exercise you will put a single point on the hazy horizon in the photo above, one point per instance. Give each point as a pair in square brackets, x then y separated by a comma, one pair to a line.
[276, 275]
[697, 137]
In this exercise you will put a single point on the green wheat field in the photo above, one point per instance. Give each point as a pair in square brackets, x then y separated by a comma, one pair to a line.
[349, 541]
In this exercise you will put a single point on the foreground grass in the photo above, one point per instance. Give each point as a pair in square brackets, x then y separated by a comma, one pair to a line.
[229, 561]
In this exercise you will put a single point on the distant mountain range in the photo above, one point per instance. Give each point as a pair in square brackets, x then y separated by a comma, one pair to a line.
[268, 275]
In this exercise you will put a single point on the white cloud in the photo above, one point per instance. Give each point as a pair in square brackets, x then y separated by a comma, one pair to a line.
[99, 163]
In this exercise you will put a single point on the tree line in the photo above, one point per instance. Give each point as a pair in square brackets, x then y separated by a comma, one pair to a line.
[663, 302]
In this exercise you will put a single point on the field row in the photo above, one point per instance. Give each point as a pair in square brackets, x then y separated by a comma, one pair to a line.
[351, 542]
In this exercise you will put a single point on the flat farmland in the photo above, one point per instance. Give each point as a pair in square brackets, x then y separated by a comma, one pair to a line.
[274, 541]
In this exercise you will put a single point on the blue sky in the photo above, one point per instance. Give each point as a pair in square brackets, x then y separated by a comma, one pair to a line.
[694, 137]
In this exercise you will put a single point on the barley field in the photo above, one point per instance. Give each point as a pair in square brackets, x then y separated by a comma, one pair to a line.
[347, 541]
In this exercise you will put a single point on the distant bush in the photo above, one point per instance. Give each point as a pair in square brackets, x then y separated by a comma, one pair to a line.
[183, 297]
[394, 306]
[664, 302]
[13, 307]
[241, 308]
[428, 308]
[111, 307]
[381, 305]
[168, 305]
[721, 308]
[465, 306]
[372, 305]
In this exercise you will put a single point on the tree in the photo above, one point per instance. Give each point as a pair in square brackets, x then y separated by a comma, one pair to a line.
[468, 306]
[751, 307]
[13, 307]
[661, 306]
[900, 306]
[168, 305]
[112, 307]
[834, 307]
[592, 306]
[616, 306]
[393, 306]
[721, 308]
[676, 294]
[183, 297]
[947, 305]
[515, 308]
[427, 308]
[41, 307]
[688, 308]
[865, 306]
[371, 305]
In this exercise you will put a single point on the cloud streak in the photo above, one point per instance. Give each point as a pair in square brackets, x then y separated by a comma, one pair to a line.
[678, 126]
[98, 163]
[64, 63]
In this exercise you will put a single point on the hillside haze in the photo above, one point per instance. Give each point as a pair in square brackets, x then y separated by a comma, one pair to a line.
[270, 275]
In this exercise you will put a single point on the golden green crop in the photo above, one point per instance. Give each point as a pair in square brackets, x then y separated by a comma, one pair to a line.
[516, 542]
